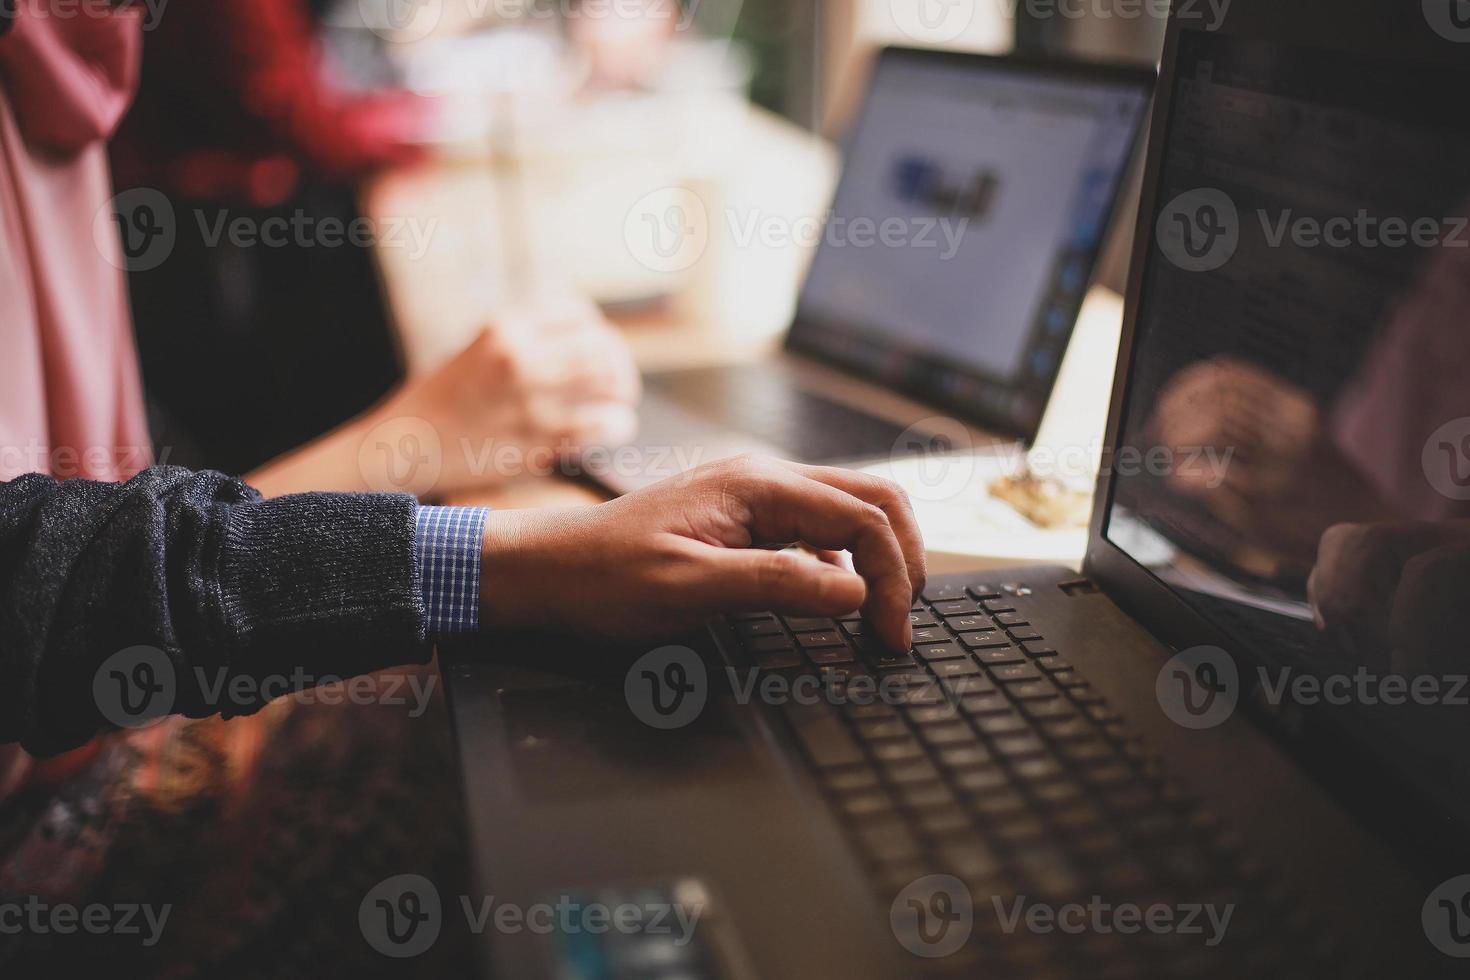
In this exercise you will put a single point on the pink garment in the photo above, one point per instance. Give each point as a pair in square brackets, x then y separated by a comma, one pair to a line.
[70, 395]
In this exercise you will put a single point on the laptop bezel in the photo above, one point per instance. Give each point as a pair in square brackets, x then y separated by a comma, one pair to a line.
[1407, 815]
[1141, 76]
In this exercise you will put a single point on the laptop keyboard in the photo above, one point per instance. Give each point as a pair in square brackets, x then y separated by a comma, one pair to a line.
[986, 755]
[767, 401]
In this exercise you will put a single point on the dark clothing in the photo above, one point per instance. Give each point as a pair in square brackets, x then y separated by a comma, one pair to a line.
[250, 350]
[197, 565]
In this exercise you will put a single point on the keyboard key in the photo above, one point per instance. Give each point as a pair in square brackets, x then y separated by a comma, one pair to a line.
[1072, 728]
[1031, 691]
[862, 805]
[851, 780]
[965, 756]
[931, 652]
[1068, 679]
[999, 804]
[1050, 709]
[799, 625]
[966, 624]
[854, 627]
[927, 797]
[761, 627]
[1038, 649]
[1000, 656]
[984, 590]
[1057, 794]
[771, 644]
[957, 607]
[830, 655]
[1023, 633]
[995, 725]
[1011, 619]
[1019, 746]
[955, 668]
[981, 704]
[930, 634]
[908, 772]
[898, 751]
[825, 638]
[874, 731]
[1011, 673]
[941, 592]
[962, 687]
[750, 617]
[1038, 770]
[888, 659]
[939, 714]
[922, 618]
[955, 734]
[826, 741]
[872, 709]
[998, 606]
[778, 661]
[981, 780]
[982, 641]
[924, 695]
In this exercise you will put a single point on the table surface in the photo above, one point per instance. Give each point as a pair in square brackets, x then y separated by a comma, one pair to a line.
[731, 304]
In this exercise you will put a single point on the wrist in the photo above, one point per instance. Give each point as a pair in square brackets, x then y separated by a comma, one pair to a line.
[508, 566]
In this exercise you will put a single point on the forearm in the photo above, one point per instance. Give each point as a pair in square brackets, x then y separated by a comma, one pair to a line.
[223, 584]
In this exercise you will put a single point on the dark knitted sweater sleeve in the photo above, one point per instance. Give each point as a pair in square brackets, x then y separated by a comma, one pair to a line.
[197, 574]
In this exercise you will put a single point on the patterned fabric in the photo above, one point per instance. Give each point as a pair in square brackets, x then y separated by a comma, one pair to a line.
[448, 542]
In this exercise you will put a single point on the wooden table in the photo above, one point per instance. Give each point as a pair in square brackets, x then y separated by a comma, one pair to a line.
[731, 304]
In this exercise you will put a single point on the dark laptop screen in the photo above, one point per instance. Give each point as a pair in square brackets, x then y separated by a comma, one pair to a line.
[1295, 454]
[973, 202]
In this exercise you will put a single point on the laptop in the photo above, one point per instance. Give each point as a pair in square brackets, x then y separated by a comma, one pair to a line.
[1233, 746]
[965, 176]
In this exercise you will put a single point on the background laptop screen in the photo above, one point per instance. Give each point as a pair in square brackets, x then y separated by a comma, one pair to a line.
[1299, 399]
[972, 206]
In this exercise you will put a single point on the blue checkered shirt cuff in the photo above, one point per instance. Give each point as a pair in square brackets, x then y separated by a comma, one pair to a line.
[449, 542]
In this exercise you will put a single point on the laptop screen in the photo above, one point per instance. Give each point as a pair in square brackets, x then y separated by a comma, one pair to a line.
[973, 203]
[1294, 458]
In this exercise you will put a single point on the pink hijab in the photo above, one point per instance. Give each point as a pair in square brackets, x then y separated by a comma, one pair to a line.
[70, 396]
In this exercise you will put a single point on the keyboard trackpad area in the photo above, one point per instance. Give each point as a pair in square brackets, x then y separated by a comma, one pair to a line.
[582, 740]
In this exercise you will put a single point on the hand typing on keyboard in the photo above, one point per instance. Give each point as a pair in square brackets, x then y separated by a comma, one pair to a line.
[663, 560]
